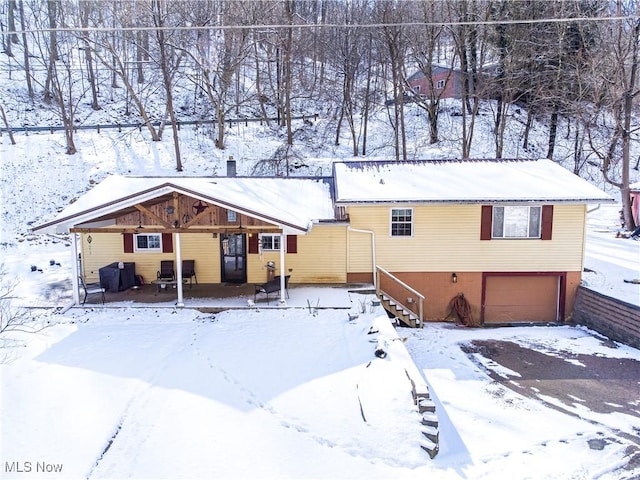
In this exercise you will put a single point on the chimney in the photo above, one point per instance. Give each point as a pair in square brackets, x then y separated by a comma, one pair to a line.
[231, 167]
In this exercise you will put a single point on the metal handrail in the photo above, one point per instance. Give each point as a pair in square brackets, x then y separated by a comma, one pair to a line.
[421, 297]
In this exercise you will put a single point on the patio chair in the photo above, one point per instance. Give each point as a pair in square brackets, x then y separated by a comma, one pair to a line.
[189, 271]
[166, 271]
[90, 289]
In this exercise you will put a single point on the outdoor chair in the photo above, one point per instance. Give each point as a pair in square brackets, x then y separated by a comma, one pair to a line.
[166, 271]
[189, 271]
[90, 289]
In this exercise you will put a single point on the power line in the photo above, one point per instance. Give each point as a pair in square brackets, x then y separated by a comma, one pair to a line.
[322, 25]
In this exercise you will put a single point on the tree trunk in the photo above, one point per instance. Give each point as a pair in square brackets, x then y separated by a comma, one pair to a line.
[167, 79]
[527, 128]
[11, 19]
[367, 99]
[553, 130]
[25, 52]
[261, 99]
[139, 57]
[629, 95]
[84, 16]
[53, 48]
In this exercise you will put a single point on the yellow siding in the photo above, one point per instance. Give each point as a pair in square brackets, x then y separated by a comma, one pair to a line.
[321, 258]
[447, 237]
[107, 248]
[205, 250]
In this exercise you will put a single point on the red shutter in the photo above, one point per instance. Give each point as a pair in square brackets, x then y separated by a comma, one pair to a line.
[292, 244]
[485, 222]
[127, 239]
[547, 222]
[167, 243]
[253, 243]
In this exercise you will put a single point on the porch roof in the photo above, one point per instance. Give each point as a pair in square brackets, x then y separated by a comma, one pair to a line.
[462, 181]
[292, 204]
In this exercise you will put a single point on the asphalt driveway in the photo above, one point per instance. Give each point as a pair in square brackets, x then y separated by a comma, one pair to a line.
[600, 384]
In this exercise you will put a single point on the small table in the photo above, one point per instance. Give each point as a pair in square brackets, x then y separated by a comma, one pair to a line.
[162, 284]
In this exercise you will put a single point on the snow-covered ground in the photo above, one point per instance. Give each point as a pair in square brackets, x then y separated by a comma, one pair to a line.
[164, 393]
[169, 393]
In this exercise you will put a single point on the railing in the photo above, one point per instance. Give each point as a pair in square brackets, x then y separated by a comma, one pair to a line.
[381, 272]
[141, 125]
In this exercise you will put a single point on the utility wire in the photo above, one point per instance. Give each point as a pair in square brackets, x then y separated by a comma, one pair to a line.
[323, 25]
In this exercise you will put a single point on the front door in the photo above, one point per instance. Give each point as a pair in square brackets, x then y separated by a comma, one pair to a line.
[233, 253]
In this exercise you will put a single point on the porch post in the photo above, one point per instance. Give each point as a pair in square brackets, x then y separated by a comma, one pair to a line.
[75, 269]
[283, 239]
[179, 271]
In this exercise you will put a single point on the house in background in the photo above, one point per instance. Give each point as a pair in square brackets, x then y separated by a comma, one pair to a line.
[508, 234]
[447, 82]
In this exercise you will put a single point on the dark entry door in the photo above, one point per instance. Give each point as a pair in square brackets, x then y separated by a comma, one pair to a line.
[233, 252]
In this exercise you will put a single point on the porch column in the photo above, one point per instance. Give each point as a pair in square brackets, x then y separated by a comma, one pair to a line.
[179, 271]
[283, 239]
[75, 269]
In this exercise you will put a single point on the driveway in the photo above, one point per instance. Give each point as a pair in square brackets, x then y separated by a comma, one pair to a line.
[567, 381]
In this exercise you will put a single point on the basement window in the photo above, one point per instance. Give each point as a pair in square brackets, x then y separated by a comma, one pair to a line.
[148, 242]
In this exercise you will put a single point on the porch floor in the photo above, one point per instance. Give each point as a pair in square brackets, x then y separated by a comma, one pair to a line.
[221, 296]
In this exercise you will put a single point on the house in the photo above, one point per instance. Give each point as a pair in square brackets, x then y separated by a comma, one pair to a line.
[508, 234]
[447, 82]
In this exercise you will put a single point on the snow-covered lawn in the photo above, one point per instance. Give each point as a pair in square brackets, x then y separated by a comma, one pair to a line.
[164, 393]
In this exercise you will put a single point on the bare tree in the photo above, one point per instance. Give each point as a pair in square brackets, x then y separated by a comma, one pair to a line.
[10, 38]
[347, 46]
[52, 16]
[219, 58]
[425, 54]
[167, 63]
[394, 41]
[86, 7]
[25, 51]
[470, 43]
[12, 319]
[617, 94]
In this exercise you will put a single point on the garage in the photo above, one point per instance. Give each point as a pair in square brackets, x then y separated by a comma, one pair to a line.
[522, 297]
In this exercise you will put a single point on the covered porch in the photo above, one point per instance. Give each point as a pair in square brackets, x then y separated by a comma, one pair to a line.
[235, 296]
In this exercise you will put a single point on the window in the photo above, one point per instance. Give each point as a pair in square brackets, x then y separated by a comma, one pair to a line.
[232, 217]
[401, 222]
[270, 242]
[440, 84]
[516, 222]
[148, 242]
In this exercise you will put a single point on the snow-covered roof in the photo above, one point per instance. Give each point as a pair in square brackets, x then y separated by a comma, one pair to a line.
[461, 181]
[289, 203]
[635, 187]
